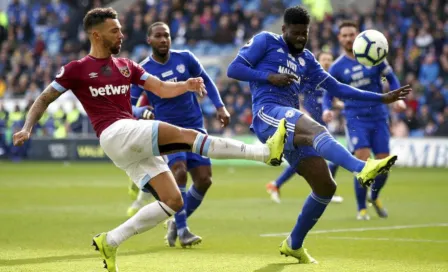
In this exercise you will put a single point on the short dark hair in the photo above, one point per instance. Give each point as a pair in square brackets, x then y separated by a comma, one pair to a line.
[149, 32]
[297, 15]
[348, 23]
[98, 16]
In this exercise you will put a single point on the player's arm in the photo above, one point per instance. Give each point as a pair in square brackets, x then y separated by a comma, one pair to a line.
[36, 111]
[394, 84]
[172, 89]
[321, 79]
[196, 68]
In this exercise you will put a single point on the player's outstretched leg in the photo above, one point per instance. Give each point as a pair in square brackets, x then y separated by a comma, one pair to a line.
[172, 139]
[315, 171]
[273, 187]
[170, 201]
[309, 132]
[142, 199]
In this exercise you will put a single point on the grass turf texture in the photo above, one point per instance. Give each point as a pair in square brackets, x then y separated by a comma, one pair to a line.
[50, 211]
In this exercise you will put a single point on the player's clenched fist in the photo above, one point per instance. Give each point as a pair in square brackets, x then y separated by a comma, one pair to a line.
[19, 138]
[197, 85]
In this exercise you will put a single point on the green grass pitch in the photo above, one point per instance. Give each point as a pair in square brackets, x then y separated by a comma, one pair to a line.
[50, 211]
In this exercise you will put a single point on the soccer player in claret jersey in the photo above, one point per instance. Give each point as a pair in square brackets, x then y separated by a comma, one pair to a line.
[277, 67]
[312, 103]
[367, 126]
[102, 85]
[183, 111]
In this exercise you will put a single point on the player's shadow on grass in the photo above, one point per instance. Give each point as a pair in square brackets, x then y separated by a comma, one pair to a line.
[52, 259]
[275, 267]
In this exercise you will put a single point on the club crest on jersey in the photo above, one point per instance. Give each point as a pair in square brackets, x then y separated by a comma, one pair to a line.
[124, 71]
[180, 68]
[301, 61]
[289, 114]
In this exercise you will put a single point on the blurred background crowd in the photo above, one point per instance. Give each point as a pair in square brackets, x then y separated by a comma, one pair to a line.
[37, 37]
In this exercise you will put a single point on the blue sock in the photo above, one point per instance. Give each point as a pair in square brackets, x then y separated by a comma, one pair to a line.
[378, 185]
[313, 208]
[334, 152]
[193, 200]
[333, 168]
[285, 176]
[361, 194]
[181, 215]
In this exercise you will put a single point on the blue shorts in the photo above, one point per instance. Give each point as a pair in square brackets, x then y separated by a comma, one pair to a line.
[265, 124]
[193, 160]
[374, 135]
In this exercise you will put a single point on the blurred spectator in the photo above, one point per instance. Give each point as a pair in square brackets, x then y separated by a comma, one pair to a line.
[38, 37]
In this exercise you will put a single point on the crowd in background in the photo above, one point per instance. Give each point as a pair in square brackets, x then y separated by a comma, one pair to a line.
[38, 37]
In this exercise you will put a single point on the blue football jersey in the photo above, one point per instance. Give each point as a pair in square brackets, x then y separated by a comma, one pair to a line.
[268, 52]
[349, 71]
[313, 104]
[183, 110]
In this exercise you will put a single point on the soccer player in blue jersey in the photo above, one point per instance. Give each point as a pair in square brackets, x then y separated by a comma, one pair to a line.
[183, 111]
[277, 67]
[367, 126]
[313, 106]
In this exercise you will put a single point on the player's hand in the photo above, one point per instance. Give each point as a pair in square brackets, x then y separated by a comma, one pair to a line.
[398, 94]
[223, 116]
[282, 79]
[148, 113]
[197, 85]
[399, 106]
[327, 116]
[19, 138]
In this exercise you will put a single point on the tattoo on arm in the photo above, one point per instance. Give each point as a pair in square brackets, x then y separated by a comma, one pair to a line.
[40, 106]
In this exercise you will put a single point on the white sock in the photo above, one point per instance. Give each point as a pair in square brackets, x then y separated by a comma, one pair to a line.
[142, 199]
[145, 219]
[224, 148]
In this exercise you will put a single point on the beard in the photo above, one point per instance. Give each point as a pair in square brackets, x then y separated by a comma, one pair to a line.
[293, 49]
[113, 49]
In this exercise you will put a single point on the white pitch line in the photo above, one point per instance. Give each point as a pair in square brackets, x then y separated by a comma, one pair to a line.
[390, 239]
[362, 229]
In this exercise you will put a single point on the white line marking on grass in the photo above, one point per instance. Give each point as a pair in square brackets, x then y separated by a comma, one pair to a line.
[362, 229]
[389, 239]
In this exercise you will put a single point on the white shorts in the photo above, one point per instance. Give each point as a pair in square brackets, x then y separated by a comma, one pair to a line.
[132, 146]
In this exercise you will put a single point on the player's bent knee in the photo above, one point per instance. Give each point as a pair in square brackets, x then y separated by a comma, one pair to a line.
[180, 173]
[203, 184]
[175, 202]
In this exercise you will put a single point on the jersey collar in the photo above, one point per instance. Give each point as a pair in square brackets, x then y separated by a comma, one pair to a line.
[169, 58]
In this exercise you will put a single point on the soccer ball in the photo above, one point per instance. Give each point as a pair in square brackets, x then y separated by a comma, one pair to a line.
[370, 47]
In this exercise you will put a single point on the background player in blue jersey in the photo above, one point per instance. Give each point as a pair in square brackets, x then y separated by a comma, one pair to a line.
[277, 67]
[183, 111]
[367, 126]
[312, 103]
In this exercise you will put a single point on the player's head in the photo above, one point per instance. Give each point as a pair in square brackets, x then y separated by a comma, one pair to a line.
[104, 29]
[296, 21]
[348, 30]
[325, 59]
[159, 38]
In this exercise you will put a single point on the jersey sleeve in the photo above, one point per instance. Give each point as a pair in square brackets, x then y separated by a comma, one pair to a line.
[254, 50]
[385, 68]
[314, 74]
[66, 78]
[138, 74]
[194, 66]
